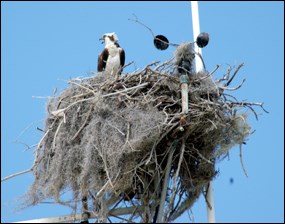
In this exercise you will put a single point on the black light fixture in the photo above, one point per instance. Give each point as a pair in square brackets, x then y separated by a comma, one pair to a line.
[161, 42]
[202, 40]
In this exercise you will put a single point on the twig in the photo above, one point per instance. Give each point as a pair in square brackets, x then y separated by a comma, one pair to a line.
[83, 125]
[236, 71]
[186, 204]
[137, 21]
[60, 112]
[122, 133]
[90, 90]
[205, 196]
[213, 123]
[232, 89]
[28, 147]
[164, 63]
[165, 184]
[43, 97]
[249, 104]
[25, 129]
[200, 56]
[17, 174]
[34, 164]
[125, 90]
[102, 190]
[174, 181]
[104, 212]
[57, 130]
[99, 193]
[215, 69]
[126, 65]
[240, 156]
[150, 156]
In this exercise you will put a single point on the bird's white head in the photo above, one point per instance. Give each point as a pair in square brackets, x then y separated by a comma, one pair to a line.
[109, 38]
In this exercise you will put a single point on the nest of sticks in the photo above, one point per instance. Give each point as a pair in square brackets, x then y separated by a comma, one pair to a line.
[112, 141]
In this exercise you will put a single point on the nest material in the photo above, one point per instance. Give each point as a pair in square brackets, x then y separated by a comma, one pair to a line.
[105, 135]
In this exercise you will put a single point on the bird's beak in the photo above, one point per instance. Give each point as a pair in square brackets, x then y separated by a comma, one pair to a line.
[102, 39]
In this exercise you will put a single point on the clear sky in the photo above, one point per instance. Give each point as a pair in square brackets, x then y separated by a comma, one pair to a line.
[44, 43]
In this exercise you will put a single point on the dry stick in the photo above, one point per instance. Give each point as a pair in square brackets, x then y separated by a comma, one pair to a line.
[126, 65]
[157, 180]
[90, 90]
[149, 65]
[200, 56]
[240, 156]
[17, 174]
[102, 190]
[210, 74]
[104, 209]
[106, 169]
[156, 143]
[177, 204]
[145, 202]
[137, 21]
[165, 184]
[105, 166]
[28, 127]
[28, 147]
[138, 84]
[57, 130]
[232, 89]
[125, 90]
[110, 94]
[82, 126]
[206, 198]
[154, 196]
[215, 69]
[250, 104]
[163, 64]
[122, 133]
[99, 193]
[186, 204]
[174, 181]
[236, 71]
[34, 164]
[43, 97]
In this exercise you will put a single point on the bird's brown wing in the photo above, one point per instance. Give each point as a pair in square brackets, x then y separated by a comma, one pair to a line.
[102, 60]
[122, 57]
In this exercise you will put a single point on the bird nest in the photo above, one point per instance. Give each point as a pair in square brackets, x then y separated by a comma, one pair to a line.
[112, 141]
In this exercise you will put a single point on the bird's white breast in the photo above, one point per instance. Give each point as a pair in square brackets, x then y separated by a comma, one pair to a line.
[113, 62]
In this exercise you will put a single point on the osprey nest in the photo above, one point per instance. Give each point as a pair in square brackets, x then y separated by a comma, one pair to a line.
[114, 144]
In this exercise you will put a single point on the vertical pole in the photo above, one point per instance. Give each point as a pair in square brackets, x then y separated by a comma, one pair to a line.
[184, 93]
[196, 31]
[165, 184]
[199, 67]
[210, 200]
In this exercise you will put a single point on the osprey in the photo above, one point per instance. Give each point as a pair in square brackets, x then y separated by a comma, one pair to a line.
[112, 58]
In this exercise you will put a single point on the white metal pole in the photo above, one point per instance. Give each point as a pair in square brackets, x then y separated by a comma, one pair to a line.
[196, 31]
[210, 200]
[199, 67]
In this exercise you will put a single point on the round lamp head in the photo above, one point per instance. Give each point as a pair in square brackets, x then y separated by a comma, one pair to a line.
[161, 42]
[202, 39]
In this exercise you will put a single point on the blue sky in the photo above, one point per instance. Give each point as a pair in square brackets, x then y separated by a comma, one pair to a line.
[44, 43]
